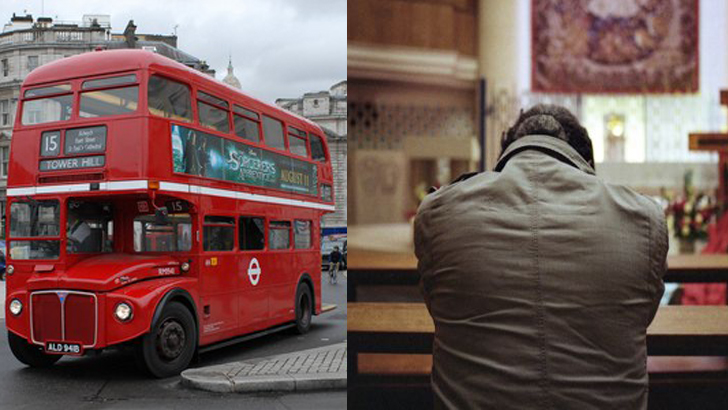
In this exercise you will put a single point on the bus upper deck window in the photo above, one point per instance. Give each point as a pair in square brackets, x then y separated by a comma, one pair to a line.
[297, 141]
[213, 112]
[103, 103]
[317, 149]
[169, 99]
[273, 133]
[50, 109]
[246, 123]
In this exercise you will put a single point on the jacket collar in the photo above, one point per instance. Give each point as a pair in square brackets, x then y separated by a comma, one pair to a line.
[552, 146]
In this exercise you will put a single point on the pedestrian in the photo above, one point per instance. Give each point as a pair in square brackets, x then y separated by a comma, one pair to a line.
[541, 278]
[334, 263]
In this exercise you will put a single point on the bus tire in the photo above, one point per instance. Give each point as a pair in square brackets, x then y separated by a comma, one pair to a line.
[30, 354]
[304, 308]
[170, 346]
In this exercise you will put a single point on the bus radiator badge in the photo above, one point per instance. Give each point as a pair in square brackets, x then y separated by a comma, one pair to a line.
[254, 271]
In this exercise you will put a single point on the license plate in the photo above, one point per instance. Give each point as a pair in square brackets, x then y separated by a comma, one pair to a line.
[74, 349]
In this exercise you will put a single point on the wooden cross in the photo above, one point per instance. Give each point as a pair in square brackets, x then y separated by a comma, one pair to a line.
[715, 141]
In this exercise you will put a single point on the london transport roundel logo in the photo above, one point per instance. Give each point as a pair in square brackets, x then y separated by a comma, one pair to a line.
[254, 271]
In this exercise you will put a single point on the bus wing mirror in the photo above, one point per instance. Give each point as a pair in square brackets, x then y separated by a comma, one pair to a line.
[160, 216]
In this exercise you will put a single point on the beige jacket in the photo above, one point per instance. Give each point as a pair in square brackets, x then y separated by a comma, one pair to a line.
[541, 280]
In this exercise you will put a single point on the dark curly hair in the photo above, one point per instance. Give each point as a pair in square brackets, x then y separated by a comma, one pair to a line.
[552, 120]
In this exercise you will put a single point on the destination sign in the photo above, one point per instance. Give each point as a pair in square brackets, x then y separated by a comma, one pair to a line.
[85, 140]
[62, 164]
[50, 144]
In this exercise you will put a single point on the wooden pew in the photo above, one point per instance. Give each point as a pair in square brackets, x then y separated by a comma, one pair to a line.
[390, 343]
[408, 328]
[385, 270]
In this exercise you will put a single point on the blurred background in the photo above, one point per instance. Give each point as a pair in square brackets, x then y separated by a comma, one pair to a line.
[434, 83]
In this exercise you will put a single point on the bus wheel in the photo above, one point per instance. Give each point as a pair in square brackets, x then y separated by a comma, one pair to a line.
[169, 347]
[30, 354]
[304, 308]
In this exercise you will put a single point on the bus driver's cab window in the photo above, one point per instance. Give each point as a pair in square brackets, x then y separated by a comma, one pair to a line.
[89, 227]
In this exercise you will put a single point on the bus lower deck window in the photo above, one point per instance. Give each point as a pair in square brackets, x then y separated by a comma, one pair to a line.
[302, 234]
[218, 233]
[280, 234]
[252, 233]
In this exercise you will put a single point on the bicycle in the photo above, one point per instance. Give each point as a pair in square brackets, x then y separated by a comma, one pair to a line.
[333, 272]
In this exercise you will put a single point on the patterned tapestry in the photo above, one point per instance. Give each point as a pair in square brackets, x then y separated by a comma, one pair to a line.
[614, 46]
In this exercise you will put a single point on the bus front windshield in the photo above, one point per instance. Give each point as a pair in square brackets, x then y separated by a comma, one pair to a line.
[32, 221]
[89, 227]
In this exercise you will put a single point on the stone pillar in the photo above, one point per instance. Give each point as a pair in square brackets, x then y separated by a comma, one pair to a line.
[503, 57]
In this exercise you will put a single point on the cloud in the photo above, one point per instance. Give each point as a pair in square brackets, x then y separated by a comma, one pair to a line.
[279, 48]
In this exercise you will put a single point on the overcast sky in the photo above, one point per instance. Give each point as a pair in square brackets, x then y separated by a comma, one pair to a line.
[280, 48]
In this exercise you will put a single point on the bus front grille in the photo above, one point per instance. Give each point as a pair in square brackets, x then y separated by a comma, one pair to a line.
[64, 316]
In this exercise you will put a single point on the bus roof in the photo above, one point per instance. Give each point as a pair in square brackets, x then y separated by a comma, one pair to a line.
[111, 61]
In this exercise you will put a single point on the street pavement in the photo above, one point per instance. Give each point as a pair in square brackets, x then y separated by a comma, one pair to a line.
[323, 368]
[112, 381]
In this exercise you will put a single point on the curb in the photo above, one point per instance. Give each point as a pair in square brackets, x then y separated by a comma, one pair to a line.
[219, 378]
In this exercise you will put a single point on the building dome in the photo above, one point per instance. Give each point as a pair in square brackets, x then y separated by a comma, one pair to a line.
[230, 78]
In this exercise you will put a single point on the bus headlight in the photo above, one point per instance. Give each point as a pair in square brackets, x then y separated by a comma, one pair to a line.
[185, 266]
[10, 269]
[123, 312]
[16, 307]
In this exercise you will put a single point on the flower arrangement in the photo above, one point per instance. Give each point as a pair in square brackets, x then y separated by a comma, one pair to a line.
[691, 213]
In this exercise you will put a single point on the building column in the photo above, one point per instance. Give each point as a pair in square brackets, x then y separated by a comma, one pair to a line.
[503, 56]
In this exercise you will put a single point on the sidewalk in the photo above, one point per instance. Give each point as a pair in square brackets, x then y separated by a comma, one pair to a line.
[323, 368]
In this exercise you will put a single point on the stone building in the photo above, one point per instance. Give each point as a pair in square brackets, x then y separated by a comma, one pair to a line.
[328, 109]
[26, 44]
[230, 78]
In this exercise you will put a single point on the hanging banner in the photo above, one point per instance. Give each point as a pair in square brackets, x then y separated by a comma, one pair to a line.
[201, 154]
[607, 46]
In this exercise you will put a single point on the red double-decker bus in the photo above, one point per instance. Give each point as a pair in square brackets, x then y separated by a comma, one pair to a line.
[152, 206]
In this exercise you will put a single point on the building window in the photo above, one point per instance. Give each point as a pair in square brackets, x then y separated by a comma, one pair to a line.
[6, 67]
[4, 157]
[5, 112]
[32, 63]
